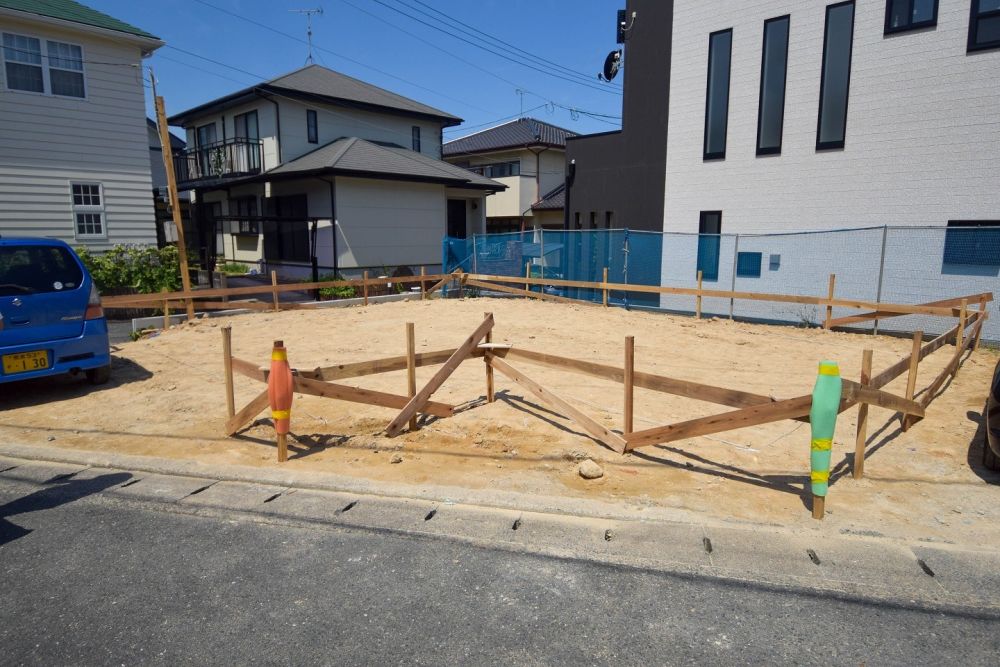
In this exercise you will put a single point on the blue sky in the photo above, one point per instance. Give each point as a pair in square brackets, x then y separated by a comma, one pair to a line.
[359, 40]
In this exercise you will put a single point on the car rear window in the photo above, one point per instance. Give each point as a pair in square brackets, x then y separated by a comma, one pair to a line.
[33, 269]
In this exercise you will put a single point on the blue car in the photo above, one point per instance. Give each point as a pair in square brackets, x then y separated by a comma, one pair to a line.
[51, 321]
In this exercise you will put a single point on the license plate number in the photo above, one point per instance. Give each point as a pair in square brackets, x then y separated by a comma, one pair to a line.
[25, 362]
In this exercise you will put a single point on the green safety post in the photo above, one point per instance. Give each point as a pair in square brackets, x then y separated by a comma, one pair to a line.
[823, 420]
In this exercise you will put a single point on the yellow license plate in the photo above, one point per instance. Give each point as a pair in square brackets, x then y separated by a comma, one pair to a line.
[24, 362]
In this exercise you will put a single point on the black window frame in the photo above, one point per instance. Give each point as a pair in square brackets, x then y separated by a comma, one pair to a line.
[415, 138]
[703, 240]
[891, 30]
[246, 209]
[312, 126]
[773, 150]
[717, 155]
[244, 119]
[833, 145]
[957, 250]
[975, 15]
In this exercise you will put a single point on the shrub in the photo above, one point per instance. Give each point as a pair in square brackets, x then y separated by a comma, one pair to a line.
[346, 292]
[144, 268]
[235, 269]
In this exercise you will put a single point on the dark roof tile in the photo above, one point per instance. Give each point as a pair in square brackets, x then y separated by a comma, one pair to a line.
[515, 134]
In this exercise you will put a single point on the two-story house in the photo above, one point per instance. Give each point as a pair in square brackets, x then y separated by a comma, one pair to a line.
[526, 155]
[74, 156]
[318, 169]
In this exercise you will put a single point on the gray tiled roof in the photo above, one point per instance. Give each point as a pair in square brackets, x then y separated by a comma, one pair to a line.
[515, 134]
[554, 200]
[69, 10]
[353, 155]
[315, 82]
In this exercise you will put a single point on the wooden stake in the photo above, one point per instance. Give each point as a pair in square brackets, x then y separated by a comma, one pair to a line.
[911, 378]
[224, 284]
[490, 394]
[166, 310]
[829, 307]
[819, 507]
[282, 447]
[527, 276]
[697, 301]
[962, 322]
[862, 436]
[983, 315]
[411, 369]
[423, 285]
[366, 287]
[175, 203]
[274, 292]
[629, 381]
[227, 362]
[605, 289]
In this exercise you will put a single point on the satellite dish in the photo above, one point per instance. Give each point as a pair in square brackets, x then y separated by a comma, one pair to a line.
[611, 66]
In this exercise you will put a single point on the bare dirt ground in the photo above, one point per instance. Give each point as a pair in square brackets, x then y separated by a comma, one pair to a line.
[167, 400]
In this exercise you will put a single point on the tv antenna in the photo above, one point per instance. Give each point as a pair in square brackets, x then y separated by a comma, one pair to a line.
[520, 93]
[309, 28]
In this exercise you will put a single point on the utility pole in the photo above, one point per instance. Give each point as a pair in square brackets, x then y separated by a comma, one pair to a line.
[175, 206]
[309, 28]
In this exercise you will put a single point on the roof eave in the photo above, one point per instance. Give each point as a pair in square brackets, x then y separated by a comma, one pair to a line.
[445, 120]
[147, 44]
[504, 149]
[376, 175]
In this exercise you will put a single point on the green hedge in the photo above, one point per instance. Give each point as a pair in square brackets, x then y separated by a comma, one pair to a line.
[144, 268]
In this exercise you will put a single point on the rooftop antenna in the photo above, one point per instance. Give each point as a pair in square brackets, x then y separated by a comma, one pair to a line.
[520, 93]
[309, 28]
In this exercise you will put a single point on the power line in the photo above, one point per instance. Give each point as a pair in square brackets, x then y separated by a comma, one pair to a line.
[462, 128]
[505, 56]
[497, 40]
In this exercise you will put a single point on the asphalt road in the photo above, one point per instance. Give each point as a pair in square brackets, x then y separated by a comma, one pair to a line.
[90, 578]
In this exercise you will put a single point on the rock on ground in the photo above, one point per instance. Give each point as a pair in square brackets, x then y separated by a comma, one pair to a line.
[590, 470]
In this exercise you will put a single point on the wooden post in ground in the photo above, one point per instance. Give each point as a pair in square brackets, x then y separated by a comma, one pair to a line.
[829, 307]
[697, 301]
[274, 291]
[166, 310]
[983, 315]
[819, 507]
[423, 285]
[490, 393]
[862, 436]
[175, 203]
[605, 298]
[365, 276]
[629, 381]
[411, 369]
[227, 362]
[962, 321]
[224, 283]
[527, 276]
[911, 377]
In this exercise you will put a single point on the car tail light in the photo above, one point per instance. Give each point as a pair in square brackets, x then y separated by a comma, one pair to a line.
[94, 310]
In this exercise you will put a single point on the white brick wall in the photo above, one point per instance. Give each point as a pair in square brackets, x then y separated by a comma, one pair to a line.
[923, 124]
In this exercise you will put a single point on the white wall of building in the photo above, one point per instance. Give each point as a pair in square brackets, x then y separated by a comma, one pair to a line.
[48, 142]
[923, 124]
[539, 175]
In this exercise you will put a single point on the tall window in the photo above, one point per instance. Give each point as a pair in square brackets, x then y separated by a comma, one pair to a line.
[245, 209]
[984, 25]
[312, 127]
[246, 126]
[60, 71]
[835, 79]
[720, 47]
[415, 137]
[903, 15]
[709, 242]
[773, 70]
[88, 210]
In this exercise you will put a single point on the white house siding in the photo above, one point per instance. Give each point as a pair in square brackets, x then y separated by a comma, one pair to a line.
[522, 191]
[47, 142]
[921, 149]
[922, 124]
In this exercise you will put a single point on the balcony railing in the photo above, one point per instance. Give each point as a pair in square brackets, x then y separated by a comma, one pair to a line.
[222, 159]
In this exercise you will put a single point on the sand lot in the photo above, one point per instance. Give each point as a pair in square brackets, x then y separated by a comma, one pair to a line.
[167, 399]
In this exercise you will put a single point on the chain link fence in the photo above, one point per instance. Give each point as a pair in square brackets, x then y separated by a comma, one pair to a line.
[904, 265]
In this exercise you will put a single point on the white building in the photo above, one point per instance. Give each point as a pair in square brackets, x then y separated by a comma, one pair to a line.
[317, 167]
[74, 156]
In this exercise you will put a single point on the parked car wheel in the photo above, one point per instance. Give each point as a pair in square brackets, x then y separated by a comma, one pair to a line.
[990, 460]
[991, 443]
[99, 375]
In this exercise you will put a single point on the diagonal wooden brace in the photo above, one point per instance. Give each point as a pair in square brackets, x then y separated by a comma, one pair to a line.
[251, 410]
[367, 396]
[417, 403]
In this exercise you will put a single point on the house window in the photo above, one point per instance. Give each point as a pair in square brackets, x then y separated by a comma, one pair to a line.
[65, 69]
[415, 132]
[773, 70]
[576, 220]
[903, 15]
[609, 219]
[974, 242]
[720, 47]
[748, 264]
[312, 127]
[835, 78]
[245, 126]
[23, 63]
[709, 242]
[88, 210]
[244, 209]
[984, 25]
[498, 169]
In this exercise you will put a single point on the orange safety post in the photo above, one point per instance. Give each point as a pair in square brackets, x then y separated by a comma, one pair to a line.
[279, 395]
